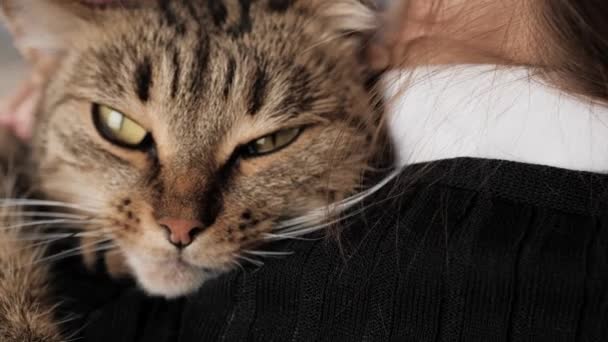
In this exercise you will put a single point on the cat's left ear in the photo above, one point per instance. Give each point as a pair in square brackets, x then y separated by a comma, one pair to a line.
[360, 20]
[353, 17]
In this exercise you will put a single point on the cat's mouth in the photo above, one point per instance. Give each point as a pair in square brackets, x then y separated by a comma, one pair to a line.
[178, 265]
[169, 277]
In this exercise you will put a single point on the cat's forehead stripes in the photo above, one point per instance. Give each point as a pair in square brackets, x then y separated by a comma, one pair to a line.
[300, 97]
[279, 5]
[218, 11]
[177, 70]
[167, 14]
[198, 69]
[143, 79]
[231, 61]
[244, 24]
[230, 74]
[169, 17]
[259, 90]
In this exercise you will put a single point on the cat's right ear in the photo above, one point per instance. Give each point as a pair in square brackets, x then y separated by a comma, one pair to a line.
[44, 27]
[43, 31]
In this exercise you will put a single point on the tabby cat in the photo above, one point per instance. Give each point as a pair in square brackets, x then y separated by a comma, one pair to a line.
[185, 134]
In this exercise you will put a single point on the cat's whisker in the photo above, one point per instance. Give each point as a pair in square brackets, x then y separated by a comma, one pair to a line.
[16, 202]
[238, 264]
[65, 255]
[319, 224]
[308, 221]
[53, 222]
[90, 234]
[297, 234]
[48, 238]
[255, 262]
[45, 214]
[300, 230]
[40, 223]
[74, 335]
[303, 229]
[68, 319]
[47, 242]
[297, 231]
[77, 251]
[277, 237]
[38, 244]
[302, 220]
[101, 229]
[42, 236]
[320, 214]
[294, 221]
[268, 254]
[313, 221]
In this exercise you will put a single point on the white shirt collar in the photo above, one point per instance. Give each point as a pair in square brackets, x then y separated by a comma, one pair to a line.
[493, 113]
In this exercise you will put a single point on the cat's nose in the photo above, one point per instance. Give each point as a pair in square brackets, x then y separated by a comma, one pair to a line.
[181, 233]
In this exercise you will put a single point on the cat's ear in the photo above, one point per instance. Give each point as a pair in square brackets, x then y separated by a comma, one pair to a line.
[44, 26]
[380, 22]
[354, 17]
[360, 21]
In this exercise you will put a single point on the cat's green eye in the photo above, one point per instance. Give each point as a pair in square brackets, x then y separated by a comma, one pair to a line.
[272, 142]
[118, 128]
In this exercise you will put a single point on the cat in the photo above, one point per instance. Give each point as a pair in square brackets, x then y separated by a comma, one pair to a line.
[185, 135]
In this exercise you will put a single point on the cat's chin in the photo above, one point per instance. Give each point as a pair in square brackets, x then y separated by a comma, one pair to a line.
[168, 278]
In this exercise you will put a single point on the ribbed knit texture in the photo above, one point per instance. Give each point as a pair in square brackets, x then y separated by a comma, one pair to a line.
[457, 250]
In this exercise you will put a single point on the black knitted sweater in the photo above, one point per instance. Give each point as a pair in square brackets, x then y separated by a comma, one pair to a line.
[455, 250]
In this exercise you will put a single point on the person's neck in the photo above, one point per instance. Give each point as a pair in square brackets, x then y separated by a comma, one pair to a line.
[448, 32]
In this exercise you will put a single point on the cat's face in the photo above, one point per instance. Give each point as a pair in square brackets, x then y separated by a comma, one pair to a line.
[193, 129]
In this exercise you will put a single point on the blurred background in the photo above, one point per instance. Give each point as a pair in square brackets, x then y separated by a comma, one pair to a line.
[11, 68]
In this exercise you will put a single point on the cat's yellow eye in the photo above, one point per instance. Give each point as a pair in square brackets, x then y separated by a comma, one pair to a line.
[118, 128]
[273, 142]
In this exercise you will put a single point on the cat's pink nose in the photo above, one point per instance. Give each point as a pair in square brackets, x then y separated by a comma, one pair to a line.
[181, 232]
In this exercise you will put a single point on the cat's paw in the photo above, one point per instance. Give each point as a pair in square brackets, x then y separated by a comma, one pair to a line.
[113, 261]
[116, 266]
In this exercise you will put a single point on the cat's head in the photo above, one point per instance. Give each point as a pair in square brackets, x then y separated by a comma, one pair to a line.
[194, 130]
